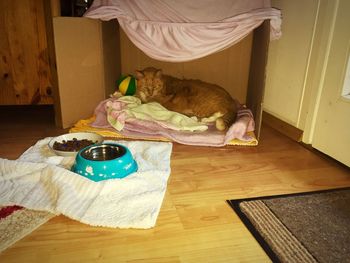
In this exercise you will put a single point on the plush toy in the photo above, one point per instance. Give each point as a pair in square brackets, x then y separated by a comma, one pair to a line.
[127, 85]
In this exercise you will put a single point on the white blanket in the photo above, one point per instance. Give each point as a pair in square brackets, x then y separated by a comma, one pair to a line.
[127, 108]
[40, 180]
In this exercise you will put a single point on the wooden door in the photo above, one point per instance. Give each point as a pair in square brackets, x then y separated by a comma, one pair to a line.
[332, 128]
[25, 75]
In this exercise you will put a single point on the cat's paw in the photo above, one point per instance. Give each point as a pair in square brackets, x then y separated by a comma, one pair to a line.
[212, 118]
[220, 124]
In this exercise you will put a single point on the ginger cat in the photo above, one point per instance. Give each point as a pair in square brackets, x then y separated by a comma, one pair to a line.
[187, 96]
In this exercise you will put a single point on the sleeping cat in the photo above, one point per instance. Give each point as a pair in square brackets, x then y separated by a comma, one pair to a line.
[187, 96]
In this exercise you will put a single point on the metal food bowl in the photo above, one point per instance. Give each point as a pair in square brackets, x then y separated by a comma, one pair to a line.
[104, 161]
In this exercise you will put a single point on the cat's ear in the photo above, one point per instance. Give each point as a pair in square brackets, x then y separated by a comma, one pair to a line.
[139, 74]
[158, 73]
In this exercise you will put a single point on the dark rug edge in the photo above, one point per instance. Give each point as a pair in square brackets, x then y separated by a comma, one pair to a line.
[265, 246]
[234, 203]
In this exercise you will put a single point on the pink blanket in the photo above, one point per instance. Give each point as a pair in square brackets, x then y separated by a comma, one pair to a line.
[183, 30]
[151, 129]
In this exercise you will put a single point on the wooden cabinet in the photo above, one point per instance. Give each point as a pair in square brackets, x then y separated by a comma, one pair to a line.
[25, 74]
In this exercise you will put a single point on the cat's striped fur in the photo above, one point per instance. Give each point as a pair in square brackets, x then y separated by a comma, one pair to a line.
[187, 96]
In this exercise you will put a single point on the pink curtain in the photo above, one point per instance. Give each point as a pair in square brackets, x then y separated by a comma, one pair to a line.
[183, 30]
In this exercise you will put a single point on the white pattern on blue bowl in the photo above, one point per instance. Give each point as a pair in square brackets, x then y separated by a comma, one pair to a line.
[104, 161]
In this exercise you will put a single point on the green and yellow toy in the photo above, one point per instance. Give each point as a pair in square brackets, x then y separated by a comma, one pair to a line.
[127, 85]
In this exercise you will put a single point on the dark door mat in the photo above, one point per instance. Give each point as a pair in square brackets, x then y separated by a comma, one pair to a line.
[303, 227]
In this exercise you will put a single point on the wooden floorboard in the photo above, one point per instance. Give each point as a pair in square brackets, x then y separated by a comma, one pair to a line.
[195, 223]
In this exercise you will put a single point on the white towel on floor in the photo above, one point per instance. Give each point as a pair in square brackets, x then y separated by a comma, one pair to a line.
[39, 180]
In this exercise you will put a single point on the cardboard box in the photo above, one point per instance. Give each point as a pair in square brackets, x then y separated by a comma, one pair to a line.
[88, 64]
[91, 55]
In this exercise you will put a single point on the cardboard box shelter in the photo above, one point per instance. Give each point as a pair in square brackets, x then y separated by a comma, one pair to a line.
[92, 54]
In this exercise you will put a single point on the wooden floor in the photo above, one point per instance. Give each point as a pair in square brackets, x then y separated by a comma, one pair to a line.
[195, 223]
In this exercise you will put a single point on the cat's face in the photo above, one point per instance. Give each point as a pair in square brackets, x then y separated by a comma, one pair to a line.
[149, 84]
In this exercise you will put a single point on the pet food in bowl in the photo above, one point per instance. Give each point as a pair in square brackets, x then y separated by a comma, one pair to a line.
[71, 143]
[74, 145]
[104, 161]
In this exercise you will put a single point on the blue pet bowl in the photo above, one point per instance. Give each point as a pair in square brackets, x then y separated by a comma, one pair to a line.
[104, 161]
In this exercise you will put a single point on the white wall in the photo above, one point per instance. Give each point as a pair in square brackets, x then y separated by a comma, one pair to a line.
[288, 61]
[297, 62]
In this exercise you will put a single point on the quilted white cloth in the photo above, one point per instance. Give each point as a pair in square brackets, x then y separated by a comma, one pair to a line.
[40, 180]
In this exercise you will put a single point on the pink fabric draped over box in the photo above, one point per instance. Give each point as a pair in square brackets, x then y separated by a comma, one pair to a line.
[182, 30]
